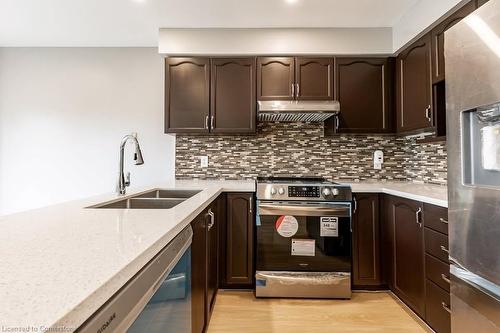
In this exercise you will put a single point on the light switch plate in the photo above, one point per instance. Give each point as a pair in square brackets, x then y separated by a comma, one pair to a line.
[204, 161]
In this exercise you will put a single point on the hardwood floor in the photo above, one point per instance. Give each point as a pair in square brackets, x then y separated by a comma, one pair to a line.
[241, 312]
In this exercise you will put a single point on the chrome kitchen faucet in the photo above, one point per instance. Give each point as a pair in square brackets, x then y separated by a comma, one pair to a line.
[123, 181]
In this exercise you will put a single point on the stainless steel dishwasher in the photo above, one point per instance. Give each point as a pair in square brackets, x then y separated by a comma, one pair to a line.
[157, 299]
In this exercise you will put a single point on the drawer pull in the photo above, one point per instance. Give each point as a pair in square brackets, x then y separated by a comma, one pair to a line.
[445, 278]
[443, 220]
[445, 249]
[446, 307]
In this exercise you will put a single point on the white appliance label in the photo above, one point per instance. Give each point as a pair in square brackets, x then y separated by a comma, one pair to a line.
[329, 227]
[287, 225]
[303, 247]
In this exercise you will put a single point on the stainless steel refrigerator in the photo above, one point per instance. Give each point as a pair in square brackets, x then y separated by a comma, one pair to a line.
[472, 53]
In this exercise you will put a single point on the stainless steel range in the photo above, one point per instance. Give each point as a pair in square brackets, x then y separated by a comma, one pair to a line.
[303, 238]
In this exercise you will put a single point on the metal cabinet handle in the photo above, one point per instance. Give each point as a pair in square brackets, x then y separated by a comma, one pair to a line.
[251, 205]
[443, 220]
[355, 205]
[445, 278]
[212, 219]
[293, 90]
[428, 113]
[298, 90]
[206, 122]
[445, 249]
[212, 122]
[418, 217]
[446, 307]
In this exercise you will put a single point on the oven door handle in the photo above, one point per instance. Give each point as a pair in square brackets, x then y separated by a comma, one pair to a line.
[305, 209]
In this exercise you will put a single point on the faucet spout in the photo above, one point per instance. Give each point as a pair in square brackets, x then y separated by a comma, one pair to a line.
[139, 160]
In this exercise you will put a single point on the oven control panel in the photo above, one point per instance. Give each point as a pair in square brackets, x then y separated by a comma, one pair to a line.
[304, 191]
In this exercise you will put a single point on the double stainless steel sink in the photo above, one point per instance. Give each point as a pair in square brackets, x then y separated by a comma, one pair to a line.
[155, 199]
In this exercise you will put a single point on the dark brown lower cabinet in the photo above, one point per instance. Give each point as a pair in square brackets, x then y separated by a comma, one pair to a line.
[414, 257]
[366, 242]
[437, 307]
[199, 273]
[405, 219]
[205, 265]
[237, 242]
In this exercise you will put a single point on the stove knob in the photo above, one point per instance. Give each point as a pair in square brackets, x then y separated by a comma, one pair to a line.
[335, 192]
[326, 192]
[281, 191]
[273, 191]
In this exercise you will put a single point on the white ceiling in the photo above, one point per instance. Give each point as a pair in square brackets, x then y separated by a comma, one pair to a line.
[136, 22]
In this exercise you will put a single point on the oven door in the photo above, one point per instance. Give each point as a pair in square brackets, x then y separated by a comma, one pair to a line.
[303, 236]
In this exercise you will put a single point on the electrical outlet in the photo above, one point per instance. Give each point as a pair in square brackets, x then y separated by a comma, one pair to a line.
[204, 161]
[378, 159]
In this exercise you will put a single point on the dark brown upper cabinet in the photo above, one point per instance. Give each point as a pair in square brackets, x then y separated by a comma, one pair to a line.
[438, 71]
[289, 78]
[314, 78]
[414, 88]
[233, 104]
[364, 88]
[187, 95]
[366, 241]
[275, 78]
[405, 217]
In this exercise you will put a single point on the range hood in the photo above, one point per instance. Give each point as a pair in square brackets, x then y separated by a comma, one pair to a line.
[290, 111]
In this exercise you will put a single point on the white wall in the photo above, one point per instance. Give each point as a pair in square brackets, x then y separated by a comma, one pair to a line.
[63, 112]
[275, 41]
[419, 18]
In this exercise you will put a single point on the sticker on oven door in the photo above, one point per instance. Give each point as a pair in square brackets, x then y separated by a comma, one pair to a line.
[287, 225]
[303, 247]
[329, 227]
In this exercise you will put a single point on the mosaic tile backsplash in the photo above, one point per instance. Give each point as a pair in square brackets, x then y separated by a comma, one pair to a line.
[301, 149]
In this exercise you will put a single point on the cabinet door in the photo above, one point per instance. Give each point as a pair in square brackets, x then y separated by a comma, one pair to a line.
[314, 78]
[409, 277]
[366, 240]
[414, 87]
[199, 274]
[233, 95]
[239, 240]
[275, 78]
[364, 87]
[212, 257]
[438, 40]
[187, 97]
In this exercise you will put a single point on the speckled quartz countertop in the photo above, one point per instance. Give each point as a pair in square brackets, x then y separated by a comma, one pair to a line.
[59, 264]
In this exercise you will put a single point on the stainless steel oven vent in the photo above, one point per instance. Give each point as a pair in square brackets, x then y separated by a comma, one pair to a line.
[295, 111]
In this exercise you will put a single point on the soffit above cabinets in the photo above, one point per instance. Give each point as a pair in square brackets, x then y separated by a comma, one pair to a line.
[275, 41]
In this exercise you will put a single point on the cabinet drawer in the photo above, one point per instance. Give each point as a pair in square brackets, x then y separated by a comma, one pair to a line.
[436, 244]
[436, 218]
[436, 302]
[437, 271]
